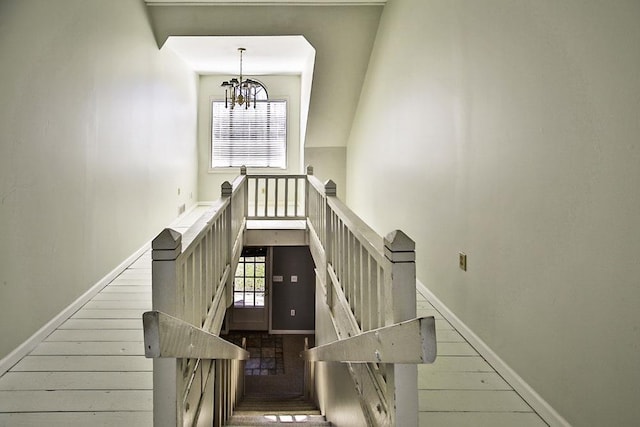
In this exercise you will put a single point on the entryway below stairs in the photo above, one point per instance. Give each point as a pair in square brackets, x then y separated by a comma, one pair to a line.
[274, 382]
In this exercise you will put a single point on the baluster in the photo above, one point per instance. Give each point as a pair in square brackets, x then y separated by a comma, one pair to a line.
[255, 198]
[201, 289]
[357, 282]
[227, 191]
[351, 283]
[329, 191]
[366, 291]
[197, 295]
[245, 196]
[286, 196]
[266, 197]
[276, 202]
[374, 293]
[307, 200]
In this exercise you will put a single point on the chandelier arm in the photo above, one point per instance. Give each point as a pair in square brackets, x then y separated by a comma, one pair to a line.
[240, 91]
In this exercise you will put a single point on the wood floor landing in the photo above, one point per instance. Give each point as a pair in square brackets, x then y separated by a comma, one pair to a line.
[92, 369]
[461, 389]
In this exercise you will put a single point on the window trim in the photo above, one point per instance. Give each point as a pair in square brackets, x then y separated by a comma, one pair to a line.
[255, 169]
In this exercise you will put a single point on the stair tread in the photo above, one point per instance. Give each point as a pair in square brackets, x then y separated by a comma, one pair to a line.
[256, 420]
[256, 407]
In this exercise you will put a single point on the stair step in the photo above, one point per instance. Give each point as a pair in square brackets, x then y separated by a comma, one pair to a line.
[274, 403]
[277, 411]
[276, 420]
[269, 409]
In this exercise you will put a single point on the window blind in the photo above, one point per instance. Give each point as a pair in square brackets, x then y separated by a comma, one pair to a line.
[253, 137]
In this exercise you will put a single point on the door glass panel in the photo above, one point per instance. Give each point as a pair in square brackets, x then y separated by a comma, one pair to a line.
[250, 279]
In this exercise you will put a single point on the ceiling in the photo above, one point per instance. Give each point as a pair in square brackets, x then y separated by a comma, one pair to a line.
[264, 55]
[276, 34]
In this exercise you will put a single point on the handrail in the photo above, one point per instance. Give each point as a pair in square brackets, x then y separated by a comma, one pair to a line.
[413, 341]
[167, 336]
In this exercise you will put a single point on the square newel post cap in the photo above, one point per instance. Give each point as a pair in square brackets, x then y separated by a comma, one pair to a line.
[398, 247]
[330, 188]
[226, 189]
[243, 170]
[167, 245]
[309, 170]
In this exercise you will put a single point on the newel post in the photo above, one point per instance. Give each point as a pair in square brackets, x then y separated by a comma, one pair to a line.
[330, 190]
[245, 191]
[402, 384]
[306, 191]
[166, 248]
[226, 191]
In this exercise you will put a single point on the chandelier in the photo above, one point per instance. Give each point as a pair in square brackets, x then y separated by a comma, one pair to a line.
[240, 92]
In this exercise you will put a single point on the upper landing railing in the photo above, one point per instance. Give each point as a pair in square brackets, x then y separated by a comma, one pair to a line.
[368, 283]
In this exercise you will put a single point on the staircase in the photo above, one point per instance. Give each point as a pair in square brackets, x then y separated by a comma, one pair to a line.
[265, 409]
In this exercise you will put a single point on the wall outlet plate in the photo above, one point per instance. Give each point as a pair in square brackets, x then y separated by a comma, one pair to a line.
[277, 279]
[293, 312]
[462, 261]
[294, 279]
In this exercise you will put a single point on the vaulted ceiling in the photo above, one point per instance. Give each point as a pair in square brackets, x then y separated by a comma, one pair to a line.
[341, 32]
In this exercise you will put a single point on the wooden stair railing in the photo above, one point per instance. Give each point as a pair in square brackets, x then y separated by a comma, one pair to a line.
[410, 342]
[169, 337]
[192, 282]
[368, 285]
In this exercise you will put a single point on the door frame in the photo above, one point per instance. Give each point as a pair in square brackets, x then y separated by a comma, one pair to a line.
[251, 318]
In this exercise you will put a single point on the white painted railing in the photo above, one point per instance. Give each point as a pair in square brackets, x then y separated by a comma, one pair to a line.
[192, 282]
[276, 197]
[368, 283]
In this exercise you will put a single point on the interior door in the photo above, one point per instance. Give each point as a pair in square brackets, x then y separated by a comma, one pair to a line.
[250, 309]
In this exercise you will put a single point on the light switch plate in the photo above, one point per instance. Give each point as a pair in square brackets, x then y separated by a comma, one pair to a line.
[277, 279]
[294, 279]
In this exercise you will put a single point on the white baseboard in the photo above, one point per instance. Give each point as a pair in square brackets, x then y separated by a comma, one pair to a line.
[546, 411]
[25, 348]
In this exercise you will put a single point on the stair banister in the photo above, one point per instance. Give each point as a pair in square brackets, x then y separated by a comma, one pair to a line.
[368, 284]
[192, 282]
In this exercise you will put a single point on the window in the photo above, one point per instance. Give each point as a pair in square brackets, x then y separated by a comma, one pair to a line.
[249, 283]
[253, 137]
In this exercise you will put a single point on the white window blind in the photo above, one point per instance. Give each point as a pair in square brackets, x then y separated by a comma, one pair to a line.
[253, 137]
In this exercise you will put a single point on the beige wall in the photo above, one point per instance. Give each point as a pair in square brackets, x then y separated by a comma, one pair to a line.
[98, 133]
[517, 143]
[279, 87]
[329, 163]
